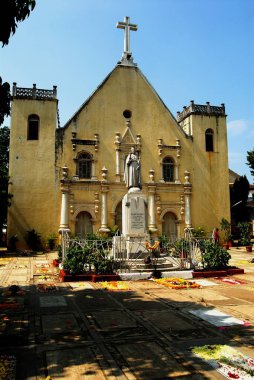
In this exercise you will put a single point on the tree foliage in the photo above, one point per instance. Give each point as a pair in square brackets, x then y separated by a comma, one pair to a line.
[238, 198]
[12, 12]
[5, 100]
[250, 161]
[4, 177]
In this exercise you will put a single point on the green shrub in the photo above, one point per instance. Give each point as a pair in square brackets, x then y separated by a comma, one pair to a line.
[214, 257]
[76, 259]
[245, 233]
[199, 233]
[226, 228]
[101, 263]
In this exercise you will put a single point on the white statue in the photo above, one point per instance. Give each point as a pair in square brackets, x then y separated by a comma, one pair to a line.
[132, 175]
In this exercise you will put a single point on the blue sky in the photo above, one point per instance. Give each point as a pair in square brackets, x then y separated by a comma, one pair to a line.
[201, 50]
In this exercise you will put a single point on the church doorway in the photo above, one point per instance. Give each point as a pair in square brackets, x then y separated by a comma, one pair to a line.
[118, 216]
[83, 224]
[169, 226]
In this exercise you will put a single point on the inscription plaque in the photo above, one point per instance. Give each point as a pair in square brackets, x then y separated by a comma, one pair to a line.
[137, 221]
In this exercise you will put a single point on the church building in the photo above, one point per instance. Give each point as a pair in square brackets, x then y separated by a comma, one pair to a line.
[72, 177]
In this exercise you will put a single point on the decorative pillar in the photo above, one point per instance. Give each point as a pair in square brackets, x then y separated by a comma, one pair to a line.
[104, 174]
[96, 146]
[177, 173]
[187, 194]
[93, 170]
[151, 175]
[160, 146]
[104, 210]
[117, 144]
[118, 165]
[64, 220]
[96, 203]
[151, 209]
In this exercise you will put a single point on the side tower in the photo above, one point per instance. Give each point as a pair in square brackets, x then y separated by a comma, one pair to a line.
[32, 162]
[206, 124]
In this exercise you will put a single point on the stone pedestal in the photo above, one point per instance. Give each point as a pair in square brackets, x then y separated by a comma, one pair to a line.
[134, 226]
[134, 220]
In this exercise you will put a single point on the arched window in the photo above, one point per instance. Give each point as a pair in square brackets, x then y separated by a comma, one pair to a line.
[84, 165]
[168, 169]
[33, 127]
[209, 140]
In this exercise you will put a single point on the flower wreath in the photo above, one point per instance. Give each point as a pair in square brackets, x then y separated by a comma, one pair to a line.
[152, 247]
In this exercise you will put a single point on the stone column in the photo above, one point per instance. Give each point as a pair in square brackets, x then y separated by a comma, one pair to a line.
[93, 170]
[177, 173]
[151, 209]
[118, 176]
[117, 144]
[104, 210]
[187, 194]
[64, 220]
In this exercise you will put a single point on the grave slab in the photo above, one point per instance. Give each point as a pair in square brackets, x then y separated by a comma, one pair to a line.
[59, 323]
[52, 301]
[167, 320]
[144, 285]
[80, 285]
[94, 300]
[242, 294]
[204, 282]
[73, 364]
[246, 310]
[138, 301]
[208, 295]
[215, 317]
[148, 360]
[115, 319]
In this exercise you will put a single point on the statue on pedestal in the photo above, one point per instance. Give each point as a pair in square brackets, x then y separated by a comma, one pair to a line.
[132, 175]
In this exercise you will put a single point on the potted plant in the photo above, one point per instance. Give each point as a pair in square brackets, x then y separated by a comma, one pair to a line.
[226, 228]
[51, 239]
[215, 261]
[245, 233]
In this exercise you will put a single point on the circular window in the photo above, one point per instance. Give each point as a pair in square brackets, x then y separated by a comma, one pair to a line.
[127, 114]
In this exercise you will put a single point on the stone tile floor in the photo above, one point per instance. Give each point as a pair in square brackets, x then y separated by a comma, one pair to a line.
[81, 331]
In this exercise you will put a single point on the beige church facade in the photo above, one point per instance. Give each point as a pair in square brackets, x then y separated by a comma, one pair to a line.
[72, 178]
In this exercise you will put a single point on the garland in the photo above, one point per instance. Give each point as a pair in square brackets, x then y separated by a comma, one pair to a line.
[114, 285]
[177, 283]
[152, 247]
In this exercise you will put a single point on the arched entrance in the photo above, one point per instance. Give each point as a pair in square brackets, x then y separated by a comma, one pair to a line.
[83, 224]
[169, 226]
[118, 216]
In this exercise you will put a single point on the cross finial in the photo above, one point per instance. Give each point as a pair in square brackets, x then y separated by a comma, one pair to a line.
[127, 26]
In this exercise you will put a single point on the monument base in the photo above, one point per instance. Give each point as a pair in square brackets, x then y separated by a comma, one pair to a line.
[131, 244]
[134, 220]
[130, 247]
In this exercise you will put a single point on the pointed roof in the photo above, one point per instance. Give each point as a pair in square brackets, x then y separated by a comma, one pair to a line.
[117, 67]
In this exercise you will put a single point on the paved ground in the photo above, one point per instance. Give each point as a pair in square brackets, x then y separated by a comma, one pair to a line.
[81, 331]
